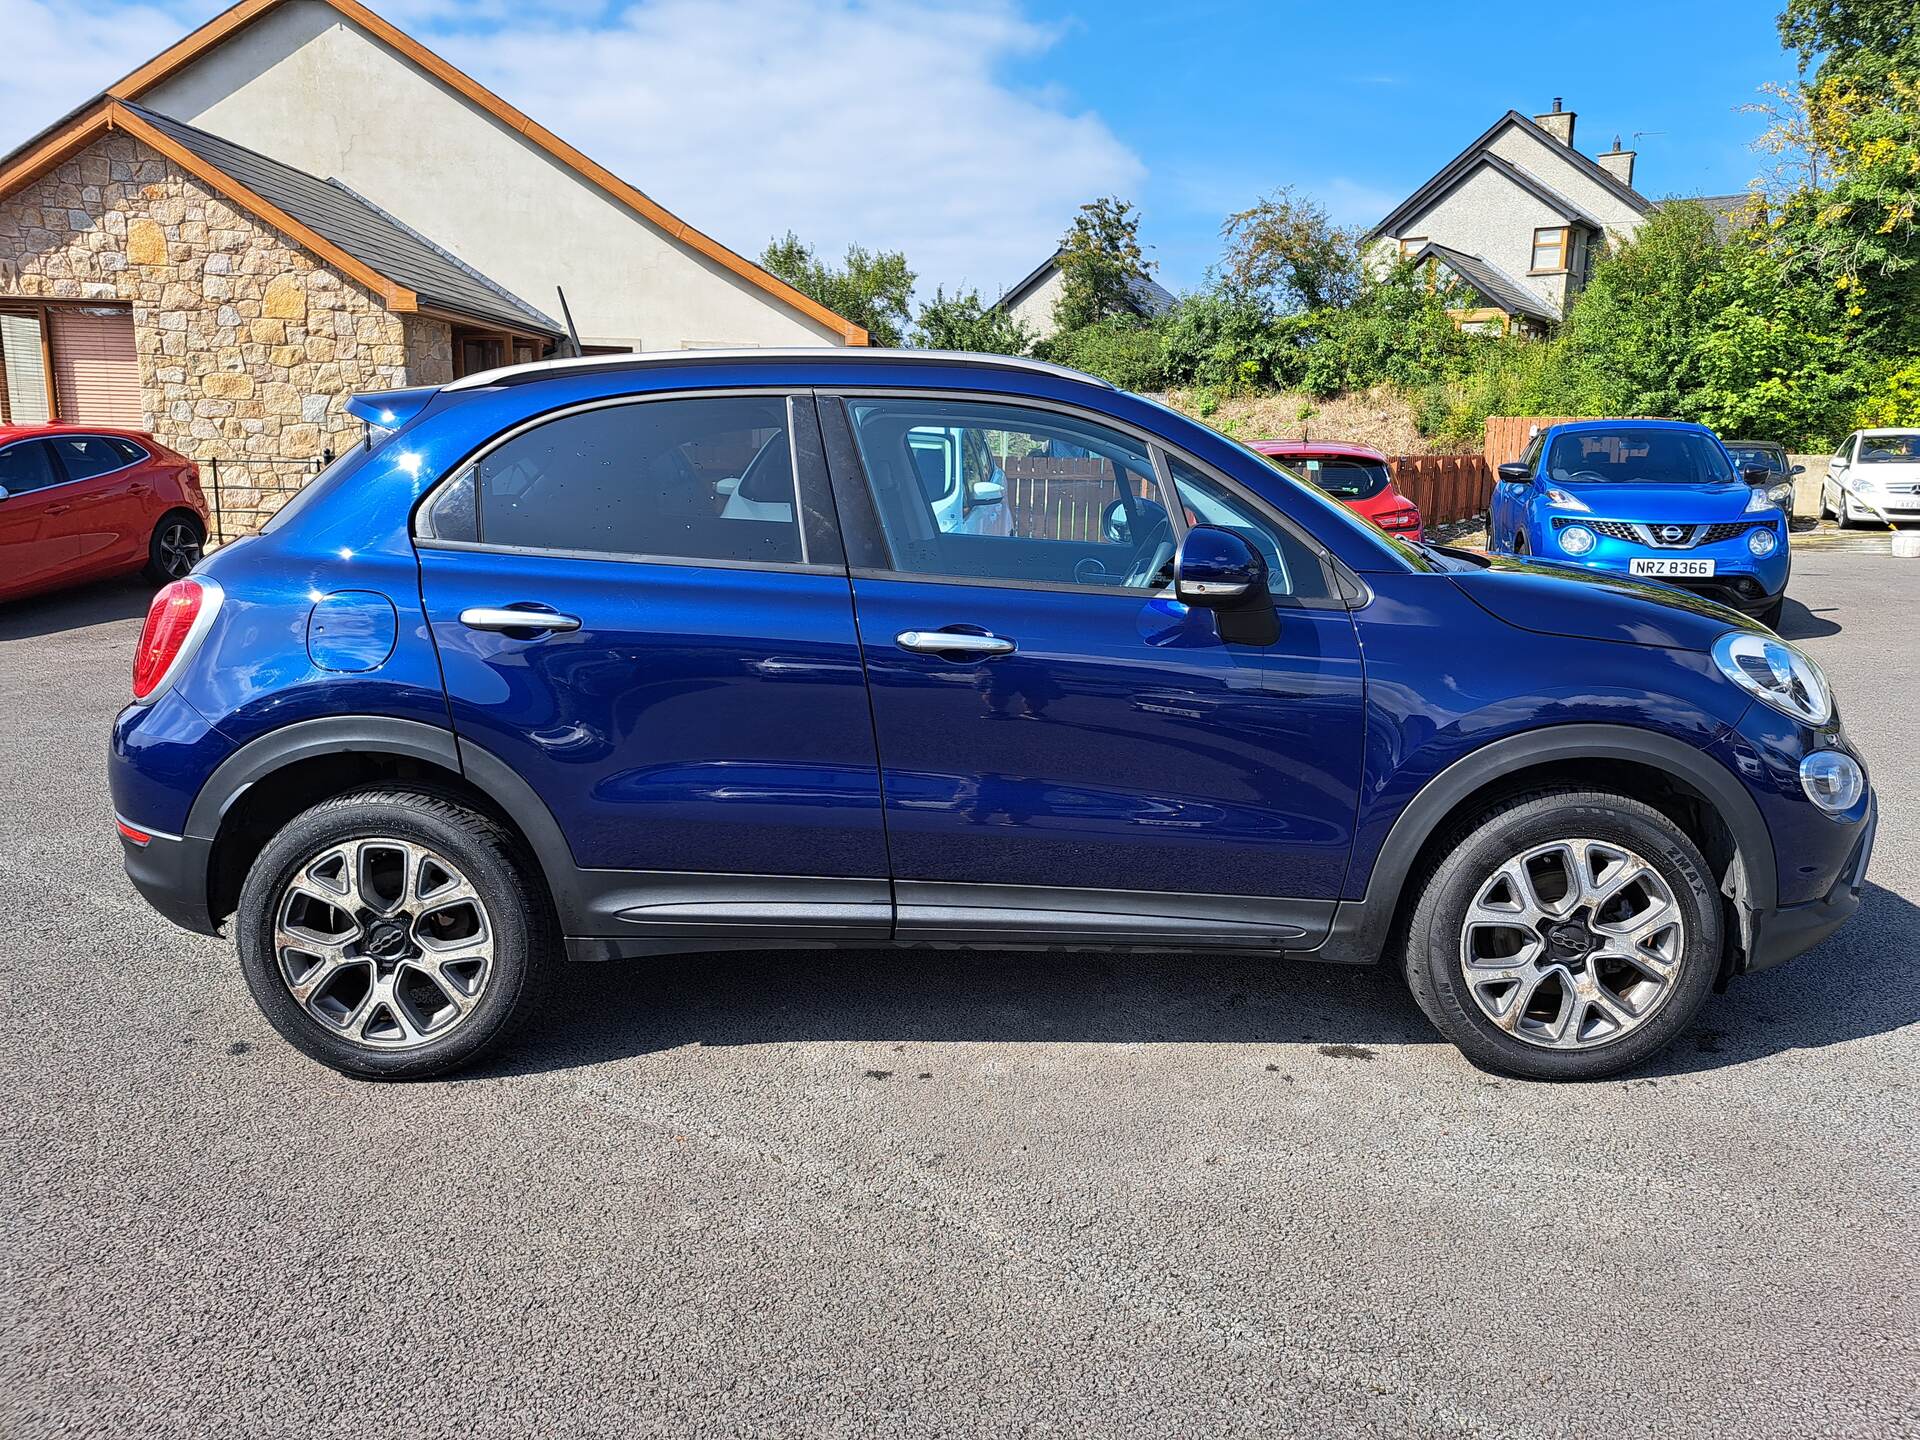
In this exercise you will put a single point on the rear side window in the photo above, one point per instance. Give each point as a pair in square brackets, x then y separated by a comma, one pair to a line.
[26, 467]
[687, 479]
[85, 456]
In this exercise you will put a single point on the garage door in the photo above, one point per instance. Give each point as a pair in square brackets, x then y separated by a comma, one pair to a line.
[96, 373]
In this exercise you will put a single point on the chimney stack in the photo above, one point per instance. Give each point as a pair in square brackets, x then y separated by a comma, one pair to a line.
[1618, 163]
[1558, 123]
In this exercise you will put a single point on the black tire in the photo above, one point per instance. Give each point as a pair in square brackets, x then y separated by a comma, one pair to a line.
[1770, 617]
[175, 546]
[517, 913]
[1470, 857]
[1520, 543]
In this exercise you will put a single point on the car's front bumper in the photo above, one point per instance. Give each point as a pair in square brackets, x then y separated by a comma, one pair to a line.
[1741, 580]
[1776, 936]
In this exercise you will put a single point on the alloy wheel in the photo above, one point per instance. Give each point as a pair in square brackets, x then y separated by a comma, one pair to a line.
[383, 941]
[1572, 944]
[178, 546]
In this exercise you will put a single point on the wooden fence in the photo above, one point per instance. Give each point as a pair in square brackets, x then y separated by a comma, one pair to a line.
[1447, 488]
[1507, 435]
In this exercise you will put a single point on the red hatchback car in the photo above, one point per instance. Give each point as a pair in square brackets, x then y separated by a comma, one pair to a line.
[1353, 474]
[81, 502]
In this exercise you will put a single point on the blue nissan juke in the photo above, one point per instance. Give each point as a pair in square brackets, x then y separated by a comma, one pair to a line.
[624, 656]
[1654, 499]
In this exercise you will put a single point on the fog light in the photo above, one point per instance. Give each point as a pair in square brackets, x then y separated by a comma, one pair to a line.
[1576, 540]
[1832, 780]
[1762, 541]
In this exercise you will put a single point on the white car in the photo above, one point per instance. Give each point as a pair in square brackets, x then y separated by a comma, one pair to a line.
[1881, 466]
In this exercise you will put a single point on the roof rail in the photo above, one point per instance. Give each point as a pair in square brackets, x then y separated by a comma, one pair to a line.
[832, 354]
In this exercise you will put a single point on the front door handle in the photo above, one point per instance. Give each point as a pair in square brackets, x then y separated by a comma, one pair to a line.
[484, 617]
[954, 642]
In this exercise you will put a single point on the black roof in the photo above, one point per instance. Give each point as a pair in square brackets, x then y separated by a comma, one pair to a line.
[369, 234]
[1457, 169]
[1494, 285]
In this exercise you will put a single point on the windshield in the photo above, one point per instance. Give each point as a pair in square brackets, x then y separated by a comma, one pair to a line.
[1340, 476]
[1631, 455]
[1757, 457]
[1889, 449]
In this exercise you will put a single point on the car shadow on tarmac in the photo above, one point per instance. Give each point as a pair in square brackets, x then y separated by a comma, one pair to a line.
[65, 610]
[1854, 986]
[1797, 622]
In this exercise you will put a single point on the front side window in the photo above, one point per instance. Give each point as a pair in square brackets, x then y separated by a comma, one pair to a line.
[26, 467]
[86, 456]
[1633, 455]
[978, 490]
[684, 479]
[1294, 570]
[1550, 249]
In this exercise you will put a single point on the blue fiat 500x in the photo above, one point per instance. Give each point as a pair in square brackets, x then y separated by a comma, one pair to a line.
[1654, 499]
[618, 657]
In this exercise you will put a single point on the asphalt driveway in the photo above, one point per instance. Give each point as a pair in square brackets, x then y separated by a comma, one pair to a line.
[934, 1194]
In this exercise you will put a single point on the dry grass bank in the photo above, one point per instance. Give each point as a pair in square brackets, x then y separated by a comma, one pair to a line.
[1379, 417]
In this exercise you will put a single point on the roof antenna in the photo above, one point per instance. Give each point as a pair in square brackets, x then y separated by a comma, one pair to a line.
[573, 334]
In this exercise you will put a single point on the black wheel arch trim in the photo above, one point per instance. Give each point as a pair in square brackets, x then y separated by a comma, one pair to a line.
[1360, 927]
[414, 739]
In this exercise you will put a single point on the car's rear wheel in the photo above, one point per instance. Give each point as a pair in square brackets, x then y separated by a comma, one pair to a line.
[393, 934]
[1566, 935]
[175, 547]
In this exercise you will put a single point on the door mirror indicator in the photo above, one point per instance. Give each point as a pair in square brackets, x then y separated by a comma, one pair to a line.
[1217, 570]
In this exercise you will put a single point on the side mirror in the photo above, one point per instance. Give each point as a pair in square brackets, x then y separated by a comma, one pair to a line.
[987, 492]
[4, 492]
[1798, 470]
[1217, 570]
[1756, 474]
[725, 488]
[1516, 472]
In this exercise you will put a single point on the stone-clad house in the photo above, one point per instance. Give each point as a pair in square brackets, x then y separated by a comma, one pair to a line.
[222, 247]
[1516, 219]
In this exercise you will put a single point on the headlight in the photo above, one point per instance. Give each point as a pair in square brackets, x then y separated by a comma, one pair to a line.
[1758, 499]
[1781, 495]
[1832, 780]
[1561, 500]
[1773, 671]
[1762, 541]
[1576, 540]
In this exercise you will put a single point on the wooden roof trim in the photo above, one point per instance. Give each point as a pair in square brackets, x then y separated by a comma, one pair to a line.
[223, 26]
[394, 296]
[54, 148]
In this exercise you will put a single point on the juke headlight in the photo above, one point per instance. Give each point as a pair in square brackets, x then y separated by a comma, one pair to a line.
[1775, 673]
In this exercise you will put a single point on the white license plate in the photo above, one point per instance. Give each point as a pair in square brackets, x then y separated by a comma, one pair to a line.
[1663, 568]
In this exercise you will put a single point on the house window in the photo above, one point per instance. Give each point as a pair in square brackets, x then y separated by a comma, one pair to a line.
[1411, 244]
[75, 363]
[1550, 250]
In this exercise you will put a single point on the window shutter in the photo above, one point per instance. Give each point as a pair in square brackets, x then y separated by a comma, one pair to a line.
[96, 372]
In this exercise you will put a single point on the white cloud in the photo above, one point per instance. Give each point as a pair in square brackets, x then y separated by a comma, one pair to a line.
[59, 55]
[890, 125]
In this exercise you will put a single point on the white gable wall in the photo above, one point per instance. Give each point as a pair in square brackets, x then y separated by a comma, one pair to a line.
[307, 87]
[1035, 309]
[1490, 216]
[1549, 165]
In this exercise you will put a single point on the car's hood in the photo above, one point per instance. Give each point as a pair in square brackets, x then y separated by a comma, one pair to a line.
[1551, 599]
[1612, 500]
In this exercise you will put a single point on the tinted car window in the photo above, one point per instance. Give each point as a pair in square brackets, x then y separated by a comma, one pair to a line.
[978, 490]
[1633, 455]
[1293, 567]
[26, 467]
[1346, 478]
[1889, 449]
[697, 479]
[85, 456]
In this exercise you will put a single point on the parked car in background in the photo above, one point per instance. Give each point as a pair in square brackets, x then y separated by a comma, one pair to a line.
[513, 681]
[1355, 475]
[1650, 499]
[79, 502]
[1880, 465]
[1763, 464]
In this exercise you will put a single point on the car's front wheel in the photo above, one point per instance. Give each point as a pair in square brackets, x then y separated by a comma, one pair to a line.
[393, 934]
[1565, 935]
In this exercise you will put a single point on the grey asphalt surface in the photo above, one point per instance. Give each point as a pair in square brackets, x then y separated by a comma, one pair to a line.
[932, 1194]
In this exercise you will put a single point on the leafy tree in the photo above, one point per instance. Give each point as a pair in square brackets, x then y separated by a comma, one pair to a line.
[873, 288]
[1861, 41]
[1100, 263]
[1397, 330]
[965, 322]
[1285, 253]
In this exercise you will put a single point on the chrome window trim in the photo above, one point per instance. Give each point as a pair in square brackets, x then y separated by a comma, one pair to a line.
[788, 395]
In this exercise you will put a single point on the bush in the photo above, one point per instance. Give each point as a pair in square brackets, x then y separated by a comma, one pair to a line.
[1123, 349]
[1893, 399]
[1213, 341]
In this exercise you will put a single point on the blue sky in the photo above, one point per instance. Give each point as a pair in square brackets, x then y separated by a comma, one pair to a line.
[966, 133]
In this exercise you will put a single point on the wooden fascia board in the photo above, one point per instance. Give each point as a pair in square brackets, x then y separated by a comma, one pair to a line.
[71, 138]
[224, 25]
[394, 296]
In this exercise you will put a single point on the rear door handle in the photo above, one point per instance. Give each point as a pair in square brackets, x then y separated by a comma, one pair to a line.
[954, 642]
[484, 617]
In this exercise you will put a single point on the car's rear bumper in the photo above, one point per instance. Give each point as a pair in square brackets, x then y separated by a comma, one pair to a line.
[172, 874]
[1776, 936]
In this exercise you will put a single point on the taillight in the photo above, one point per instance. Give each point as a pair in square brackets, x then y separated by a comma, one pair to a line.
[1400, 520]
[175, 621]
